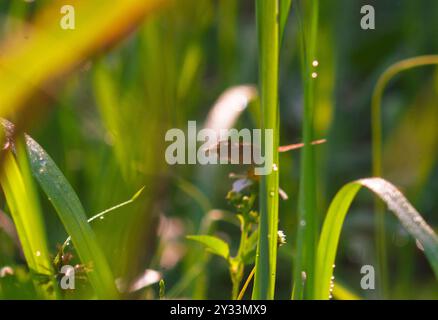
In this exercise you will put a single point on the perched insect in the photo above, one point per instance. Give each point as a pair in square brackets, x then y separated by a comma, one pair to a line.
[243, 153]
[243, 181]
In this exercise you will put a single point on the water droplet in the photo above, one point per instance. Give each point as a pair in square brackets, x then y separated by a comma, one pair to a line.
[101, 218]
[38, 253]
[303, 223]
[334, 266]
[272, 193]
[314, 75]
[419, 244]
[315, 63]
[41, 170]
[274, 167]
[417, 219]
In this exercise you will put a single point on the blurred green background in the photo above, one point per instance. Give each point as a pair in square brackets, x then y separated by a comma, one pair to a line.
[105, 125]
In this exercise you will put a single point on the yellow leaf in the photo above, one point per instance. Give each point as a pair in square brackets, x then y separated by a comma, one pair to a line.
[43, 52]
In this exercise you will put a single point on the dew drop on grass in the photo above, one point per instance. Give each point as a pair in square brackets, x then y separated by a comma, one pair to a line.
[102, 217]
[272, 194]
[419, 245]
[315, 63]
[417, 219]
[314, 75]
[38, 253]
[303, 276]
[303, 223]
[274, 167]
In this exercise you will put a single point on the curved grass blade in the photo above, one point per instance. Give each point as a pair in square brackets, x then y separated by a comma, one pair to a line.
[72, 216]
[397, 203]
[18, 187]
[102, 214]
[377, 141]
[376, 103]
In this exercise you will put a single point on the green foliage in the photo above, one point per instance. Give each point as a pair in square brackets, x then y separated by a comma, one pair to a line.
[269, 47]
[71, 213]
[114, 89]
[396, 202]
[214, 245]
[23, 203]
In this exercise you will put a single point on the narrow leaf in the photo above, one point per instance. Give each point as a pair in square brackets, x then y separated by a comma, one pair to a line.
[214, 245]
[22, 201]
[285, 6]
[73, 217]
[396, 202]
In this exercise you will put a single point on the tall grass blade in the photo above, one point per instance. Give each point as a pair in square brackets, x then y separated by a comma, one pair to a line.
[307, 216]
[269, 43]
[396, 202]
[72, 216]
[285, 6]
[18, 187]
[377, 142]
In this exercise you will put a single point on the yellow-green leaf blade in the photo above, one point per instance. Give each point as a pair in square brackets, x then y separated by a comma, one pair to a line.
[18, 188]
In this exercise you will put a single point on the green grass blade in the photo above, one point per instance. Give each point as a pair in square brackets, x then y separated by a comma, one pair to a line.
[268, 32]
[285, 6]
[307, 232]
[104, 213]
[21, 198]
[396, 202]
[377, 142]
[72, 215]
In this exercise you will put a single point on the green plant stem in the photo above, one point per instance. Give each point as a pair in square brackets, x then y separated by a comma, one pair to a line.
[246, 284]
[307, 216]
[236, 264]
[377, 141]
[267, 13]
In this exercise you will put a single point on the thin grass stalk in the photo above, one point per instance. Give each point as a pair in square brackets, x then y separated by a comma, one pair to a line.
[269, 44]
[307, 216]
[377, 141]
